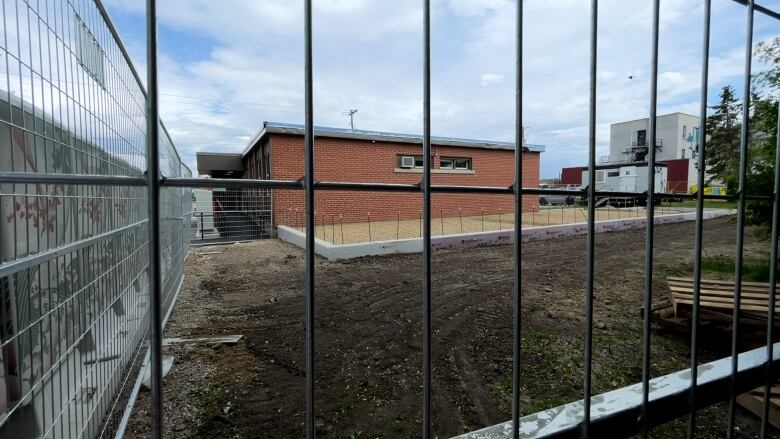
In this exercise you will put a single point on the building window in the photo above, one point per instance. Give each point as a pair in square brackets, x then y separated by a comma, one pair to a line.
[685, 132]
[463, 164]
[613, 174]
[409, 161]
[89, 53]
[599, 176]
[641, 137]
[682, 153]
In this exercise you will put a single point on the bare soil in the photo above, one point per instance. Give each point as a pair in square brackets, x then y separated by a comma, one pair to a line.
[368, 336]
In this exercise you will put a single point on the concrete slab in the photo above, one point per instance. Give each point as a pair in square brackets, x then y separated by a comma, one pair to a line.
[335, 252]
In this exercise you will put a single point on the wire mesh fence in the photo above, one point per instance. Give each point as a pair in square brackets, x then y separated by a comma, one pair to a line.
[76, 296]
[74, 290]
[228, 214]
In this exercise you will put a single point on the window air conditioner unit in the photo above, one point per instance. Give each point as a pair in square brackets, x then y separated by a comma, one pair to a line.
[407, 162]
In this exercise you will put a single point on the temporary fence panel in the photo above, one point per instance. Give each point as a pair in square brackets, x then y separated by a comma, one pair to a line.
[74, 289]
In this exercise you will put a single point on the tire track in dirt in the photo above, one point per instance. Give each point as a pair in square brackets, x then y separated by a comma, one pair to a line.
[368, 329]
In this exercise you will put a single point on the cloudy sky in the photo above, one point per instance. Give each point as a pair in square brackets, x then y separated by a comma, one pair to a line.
[227, 66]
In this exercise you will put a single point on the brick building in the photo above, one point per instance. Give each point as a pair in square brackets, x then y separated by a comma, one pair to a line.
[277, 152]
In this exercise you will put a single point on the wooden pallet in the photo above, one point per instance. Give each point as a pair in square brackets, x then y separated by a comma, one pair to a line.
[754, 401]
[717, 296]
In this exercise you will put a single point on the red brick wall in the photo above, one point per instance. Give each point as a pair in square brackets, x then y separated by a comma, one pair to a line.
[367, 161]
[571, 175]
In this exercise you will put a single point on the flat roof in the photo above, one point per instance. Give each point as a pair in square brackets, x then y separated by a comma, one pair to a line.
[288, 128]
[659, 163]
[218, 161]
[657, 117]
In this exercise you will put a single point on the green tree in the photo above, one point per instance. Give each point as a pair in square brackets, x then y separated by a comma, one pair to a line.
[768, 52]
[724, 127]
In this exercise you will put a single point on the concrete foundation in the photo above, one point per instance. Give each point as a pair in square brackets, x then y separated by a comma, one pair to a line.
[335, 252]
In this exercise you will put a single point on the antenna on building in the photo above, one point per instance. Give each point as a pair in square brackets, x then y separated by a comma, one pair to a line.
[351, 114]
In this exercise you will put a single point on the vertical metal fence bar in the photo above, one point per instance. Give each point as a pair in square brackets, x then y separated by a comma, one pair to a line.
[770, 323]
[153, 176]
[310, 231]
[426, 193]
[701, 163]
[648, 299]
[594, 15]
[743, 152]
[517, 305]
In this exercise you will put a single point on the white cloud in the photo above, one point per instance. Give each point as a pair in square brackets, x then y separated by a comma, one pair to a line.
[470, 8]
[368, 55]
[491, 79]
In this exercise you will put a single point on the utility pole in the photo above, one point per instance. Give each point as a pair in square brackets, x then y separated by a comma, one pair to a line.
[351, 114]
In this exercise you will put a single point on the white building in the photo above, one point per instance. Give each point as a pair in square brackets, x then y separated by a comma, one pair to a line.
[677, 139]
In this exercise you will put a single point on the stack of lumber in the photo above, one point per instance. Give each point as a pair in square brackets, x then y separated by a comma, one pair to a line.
[717, 297]
[754, 401]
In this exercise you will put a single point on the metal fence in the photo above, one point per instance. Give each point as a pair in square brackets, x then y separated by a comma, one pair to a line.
[74, 278]
[228, 215]
[626, 413]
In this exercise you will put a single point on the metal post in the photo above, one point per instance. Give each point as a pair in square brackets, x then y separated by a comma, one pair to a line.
[202, 229]
[517, 247]
[441, 218]
[770, 323]
[309, 188]
[500, 226]
[591, 223]
[699, 221]
[397, 224]
[743, 152]
[482, 215]
[650, 226]
[460, 218]
[153, 178]
[369, 226]
[426, 193]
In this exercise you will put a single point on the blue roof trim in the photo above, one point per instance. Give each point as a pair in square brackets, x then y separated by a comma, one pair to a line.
[291, 128]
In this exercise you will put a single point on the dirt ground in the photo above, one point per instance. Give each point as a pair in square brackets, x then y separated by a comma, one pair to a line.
[332, 230]
[368, 336]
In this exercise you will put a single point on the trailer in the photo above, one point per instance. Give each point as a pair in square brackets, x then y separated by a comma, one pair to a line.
[625, 177]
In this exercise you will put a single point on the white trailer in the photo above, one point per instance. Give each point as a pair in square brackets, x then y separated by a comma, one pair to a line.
[625, 177]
